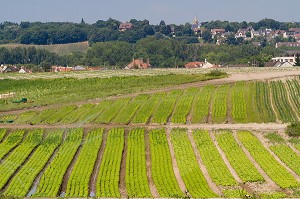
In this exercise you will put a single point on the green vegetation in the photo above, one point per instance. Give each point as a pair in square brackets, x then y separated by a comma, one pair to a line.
[219, 108]
[237, 158]
[274, 138]
[211, 158]
[19, 155]
[66, 90]
[282, 105]
[288, 156]
[200, 109]
[2, 134]
[136, 176]
[263, 102]
[162, 170]
[165, 108]
[78, 183]
[10, 142]
[188, 166]
[293, 129]
[268, 163]
[51, 179]
[239, 113]
[22, 181]
[109, 175]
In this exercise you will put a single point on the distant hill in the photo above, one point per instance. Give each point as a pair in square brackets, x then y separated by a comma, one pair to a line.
[60, 49]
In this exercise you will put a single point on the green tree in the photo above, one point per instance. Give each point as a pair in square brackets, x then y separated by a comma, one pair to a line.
[297, 60]
[207, 36]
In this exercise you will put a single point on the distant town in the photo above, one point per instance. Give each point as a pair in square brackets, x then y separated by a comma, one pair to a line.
[135, 44]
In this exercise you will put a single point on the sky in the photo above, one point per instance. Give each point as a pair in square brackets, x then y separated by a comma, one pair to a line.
[171, 11]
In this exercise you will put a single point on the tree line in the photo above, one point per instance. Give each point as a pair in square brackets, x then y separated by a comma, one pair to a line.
[107, 30]
[160, 50]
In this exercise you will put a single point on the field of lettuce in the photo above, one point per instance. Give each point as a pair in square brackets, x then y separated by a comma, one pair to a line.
[63, 162]
[241, 102]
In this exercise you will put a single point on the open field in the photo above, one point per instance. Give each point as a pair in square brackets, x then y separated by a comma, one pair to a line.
[272, 101]
[60, 49]
[143, 135]
[41, 172]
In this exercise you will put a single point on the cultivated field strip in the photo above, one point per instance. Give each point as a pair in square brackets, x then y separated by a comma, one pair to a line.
[21, 183]
[26, 168]
[2, 134]
[242, 102]
[15, 159]
[268, 163]
[10, 142]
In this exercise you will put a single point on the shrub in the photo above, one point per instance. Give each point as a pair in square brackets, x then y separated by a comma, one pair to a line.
[293, 129]
[216, 73]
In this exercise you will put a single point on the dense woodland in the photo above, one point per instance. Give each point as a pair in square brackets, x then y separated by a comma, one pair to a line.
[111, 47]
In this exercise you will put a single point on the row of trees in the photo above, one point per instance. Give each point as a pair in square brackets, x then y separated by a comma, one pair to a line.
[102, 31]
[162, 52]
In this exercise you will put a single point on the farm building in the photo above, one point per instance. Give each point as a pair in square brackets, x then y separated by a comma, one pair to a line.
[138, 64]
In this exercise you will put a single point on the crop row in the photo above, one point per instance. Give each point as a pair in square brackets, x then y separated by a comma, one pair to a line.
[268, 163]
[22, 181]
[109, 174]
[11, 141]
[162, 170]
[136, 176]
[14, 160]
[237, 158]
[52, 178]
[211, 158]
[78, 183]
[188, 166]
[243, 103]
[281, 102]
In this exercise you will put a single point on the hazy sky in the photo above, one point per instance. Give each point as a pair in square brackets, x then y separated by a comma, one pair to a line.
[172, 11]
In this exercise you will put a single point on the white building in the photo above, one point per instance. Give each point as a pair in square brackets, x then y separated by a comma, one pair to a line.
[291, 60]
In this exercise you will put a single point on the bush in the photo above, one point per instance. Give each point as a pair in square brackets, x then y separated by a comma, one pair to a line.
[293, 129]
[216, 73]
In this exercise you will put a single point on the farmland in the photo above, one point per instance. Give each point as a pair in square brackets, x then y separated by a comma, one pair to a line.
[241, 102]
[150, 136]
[54, 145]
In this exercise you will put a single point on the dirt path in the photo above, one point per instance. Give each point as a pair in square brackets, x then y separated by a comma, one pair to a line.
[224, 158]
[67, 175]
[122, 182]
[152, 186]
[233, 77]
[174, 163]
[211, 184]
[268, 185]
[96, 170]
[267, 145]
[248, 126]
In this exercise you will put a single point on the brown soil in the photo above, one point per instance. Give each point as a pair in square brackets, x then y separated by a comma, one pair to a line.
[211, 184]
[67, 175]
[174, 163]
[152, 186]
[268, 185]
[122, 182]
[93, 179]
